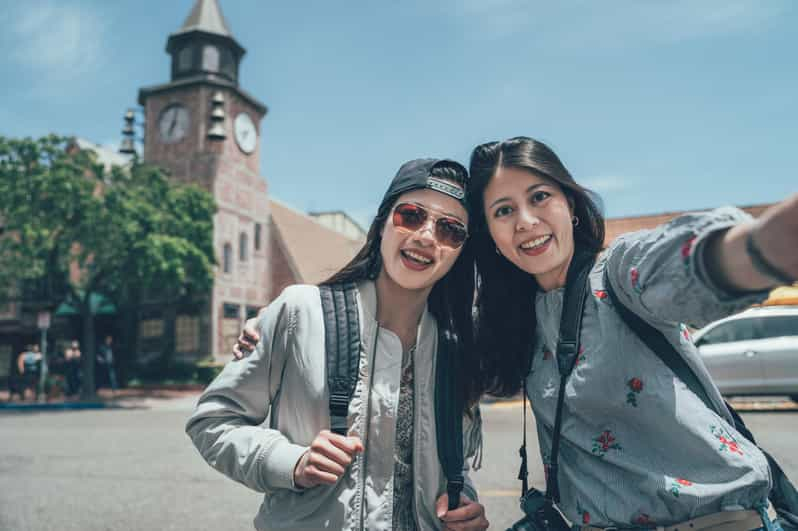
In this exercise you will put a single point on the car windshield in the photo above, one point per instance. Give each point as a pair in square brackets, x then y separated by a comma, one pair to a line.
[751, 328]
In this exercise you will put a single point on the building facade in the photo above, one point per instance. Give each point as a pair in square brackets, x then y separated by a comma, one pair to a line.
[205, 129]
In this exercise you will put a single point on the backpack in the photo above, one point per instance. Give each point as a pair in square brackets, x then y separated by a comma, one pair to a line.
[342, 352]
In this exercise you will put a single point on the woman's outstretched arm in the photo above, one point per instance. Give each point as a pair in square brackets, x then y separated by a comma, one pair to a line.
[759, 254]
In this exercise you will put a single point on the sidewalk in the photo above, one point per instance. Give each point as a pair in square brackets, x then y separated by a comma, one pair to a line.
[133, 397]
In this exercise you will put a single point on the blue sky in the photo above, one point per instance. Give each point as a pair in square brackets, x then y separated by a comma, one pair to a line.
[658, 105]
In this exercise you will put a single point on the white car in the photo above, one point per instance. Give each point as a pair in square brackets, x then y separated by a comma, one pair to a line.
[754, 352]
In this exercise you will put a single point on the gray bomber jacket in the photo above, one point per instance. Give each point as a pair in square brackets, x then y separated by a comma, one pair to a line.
[284, 379]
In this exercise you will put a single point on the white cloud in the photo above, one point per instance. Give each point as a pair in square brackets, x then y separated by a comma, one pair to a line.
[608, 183]
[56, 40]
[580, 23]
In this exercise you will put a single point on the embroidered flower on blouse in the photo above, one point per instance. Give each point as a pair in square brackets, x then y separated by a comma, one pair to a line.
[547, 355]
[601, 294]
[678, 484]
[727, 441]
[549, 389]
[635, 387]
[687, 250]
[642, 519]
[585, 514]
[634, 275]
[605, 442]
[580, 357]
[685, 333]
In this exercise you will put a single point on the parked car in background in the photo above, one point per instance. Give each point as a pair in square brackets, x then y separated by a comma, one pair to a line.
[754, 352]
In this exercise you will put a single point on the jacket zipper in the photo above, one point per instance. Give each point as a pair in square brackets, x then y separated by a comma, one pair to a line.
[415, 440]
[367, 420]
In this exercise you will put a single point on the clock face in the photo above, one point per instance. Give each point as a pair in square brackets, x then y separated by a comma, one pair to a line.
[173, 123]
[245, 133]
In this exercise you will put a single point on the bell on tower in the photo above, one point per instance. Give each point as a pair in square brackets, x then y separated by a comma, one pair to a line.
[204, 46]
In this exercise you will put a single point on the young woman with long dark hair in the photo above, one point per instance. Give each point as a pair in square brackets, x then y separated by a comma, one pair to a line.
[414, 275]
[638, 449]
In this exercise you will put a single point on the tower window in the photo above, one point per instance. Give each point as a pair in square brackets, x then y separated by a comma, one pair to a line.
[257, 236]
[227, 258]
[210, 58]
[228, 64]
[184, 59]
[242, 246]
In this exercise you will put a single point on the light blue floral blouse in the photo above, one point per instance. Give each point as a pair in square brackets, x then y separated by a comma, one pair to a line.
[638, 448]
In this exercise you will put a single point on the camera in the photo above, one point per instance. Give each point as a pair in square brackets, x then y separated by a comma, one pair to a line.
[540, 514]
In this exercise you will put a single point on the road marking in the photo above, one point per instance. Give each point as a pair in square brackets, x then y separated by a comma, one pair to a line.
[739, 404]
[747, 405]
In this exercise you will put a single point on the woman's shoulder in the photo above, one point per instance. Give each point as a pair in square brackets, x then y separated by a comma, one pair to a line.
[299, 295]
[294, 304]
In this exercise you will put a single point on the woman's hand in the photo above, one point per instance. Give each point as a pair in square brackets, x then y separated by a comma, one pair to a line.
[326, 460]
[469, 516]
[247, 340]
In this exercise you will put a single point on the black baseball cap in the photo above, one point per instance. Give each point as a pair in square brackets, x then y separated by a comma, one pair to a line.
[417, 174]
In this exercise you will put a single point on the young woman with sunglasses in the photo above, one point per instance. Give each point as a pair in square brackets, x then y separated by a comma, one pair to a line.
[413, 275]
[638, 449]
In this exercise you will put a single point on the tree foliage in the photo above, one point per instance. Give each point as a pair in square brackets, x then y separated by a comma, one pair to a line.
[73, 228]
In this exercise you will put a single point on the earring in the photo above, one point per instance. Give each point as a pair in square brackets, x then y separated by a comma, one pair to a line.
[575, 221]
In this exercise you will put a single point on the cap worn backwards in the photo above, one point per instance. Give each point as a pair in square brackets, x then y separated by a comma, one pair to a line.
[417, 174]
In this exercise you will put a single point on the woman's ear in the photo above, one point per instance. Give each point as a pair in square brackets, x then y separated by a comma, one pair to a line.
[571, 203]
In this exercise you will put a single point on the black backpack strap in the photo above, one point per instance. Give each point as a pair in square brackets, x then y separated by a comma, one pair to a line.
[342, 349]
[576, 289]
[659, 345]
[449, 415]
[783, 494]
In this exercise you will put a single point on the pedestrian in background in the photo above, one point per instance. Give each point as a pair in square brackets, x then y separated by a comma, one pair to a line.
[72, 357]
[105, 359]
[29, 364]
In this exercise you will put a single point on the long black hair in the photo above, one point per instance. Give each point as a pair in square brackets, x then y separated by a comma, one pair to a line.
[452, 297]
[505, 329]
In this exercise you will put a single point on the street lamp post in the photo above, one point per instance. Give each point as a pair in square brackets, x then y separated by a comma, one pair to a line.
[43, 323]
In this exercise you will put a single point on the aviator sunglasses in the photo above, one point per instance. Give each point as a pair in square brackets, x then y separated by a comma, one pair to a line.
[449, 232]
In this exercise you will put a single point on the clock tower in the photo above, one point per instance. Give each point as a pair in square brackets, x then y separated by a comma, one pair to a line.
[204, 129]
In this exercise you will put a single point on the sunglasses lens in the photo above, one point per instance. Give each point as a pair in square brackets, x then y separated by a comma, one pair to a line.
[409, 217]
[450, 233]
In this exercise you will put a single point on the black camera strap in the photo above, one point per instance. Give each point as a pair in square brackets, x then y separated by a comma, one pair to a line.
[576, 289]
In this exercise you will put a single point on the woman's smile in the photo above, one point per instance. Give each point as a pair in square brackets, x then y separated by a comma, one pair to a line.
[416, 259]
[536, 246]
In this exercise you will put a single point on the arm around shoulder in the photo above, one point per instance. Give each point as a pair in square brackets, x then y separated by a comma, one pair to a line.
[226, 424]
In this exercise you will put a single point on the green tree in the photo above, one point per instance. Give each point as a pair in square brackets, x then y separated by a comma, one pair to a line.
[81, 231]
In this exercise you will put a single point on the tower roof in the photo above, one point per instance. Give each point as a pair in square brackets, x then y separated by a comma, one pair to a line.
[205, 29]
[206, 16]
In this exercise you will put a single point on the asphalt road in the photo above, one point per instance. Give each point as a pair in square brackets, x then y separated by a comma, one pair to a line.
[132, 469]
